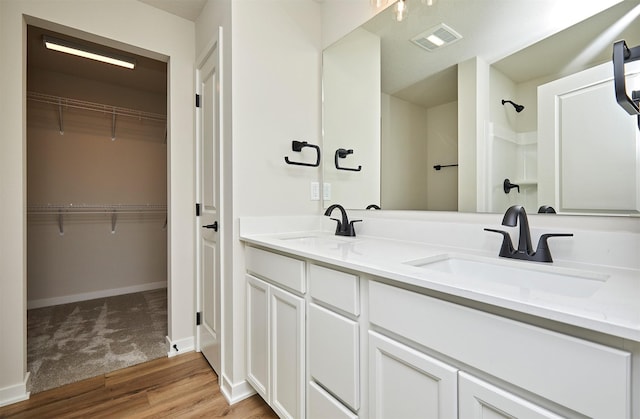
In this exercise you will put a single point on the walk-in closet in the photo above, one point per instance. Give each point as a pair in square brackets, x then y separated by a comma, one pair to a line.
[96, 210]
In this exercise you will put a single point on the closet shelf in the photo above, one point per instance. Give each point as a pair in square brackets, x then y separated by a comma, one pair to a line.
[95, 209]
[114, 210]
[97, 107]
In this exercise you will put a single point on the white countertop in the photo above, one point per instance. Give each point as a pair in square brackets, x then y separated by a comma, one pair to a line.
[609, 303]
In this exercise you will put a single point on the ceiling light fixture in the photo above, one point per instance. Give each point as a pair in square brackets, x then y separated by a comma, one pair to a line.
[86, 52]
[379, 3]
[400, 10]
[436, 37]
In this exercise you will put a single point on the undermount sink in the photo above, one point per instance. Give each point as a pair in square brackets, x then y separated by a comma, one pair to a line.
[521, 275]
[317, 239]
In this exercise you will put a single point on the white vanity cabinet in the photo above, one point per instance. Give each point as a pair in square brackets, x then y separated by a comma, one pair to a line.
[355, 345]
[582, 376]
[276, 330]
[334, 348]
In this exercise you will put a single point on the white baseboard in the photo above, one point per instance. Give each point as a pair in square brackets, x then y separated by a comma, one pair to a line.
[65, 299]
[237, 392]
[15, 393]
[183, 346]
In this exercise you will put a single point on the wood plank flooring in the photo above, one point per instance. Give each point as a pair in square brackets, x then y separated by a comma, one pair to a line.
[184, 386]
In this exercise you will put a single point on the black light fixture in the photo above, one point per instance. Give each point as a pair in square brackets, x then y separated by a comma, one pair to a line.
[68, 47]
[519, 108]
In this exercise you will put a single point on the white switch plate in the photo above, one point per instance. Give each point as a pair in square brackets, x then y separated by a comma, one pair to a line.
[326, 191]
[315, 191]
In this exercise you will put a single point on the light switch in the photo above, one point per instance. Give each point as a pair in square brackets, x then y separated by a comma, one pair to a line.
[326, 191]
[315, 191]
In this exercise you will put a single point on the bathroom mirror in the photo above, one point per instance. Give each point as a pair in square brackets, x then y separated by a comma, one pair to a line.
[428, 129]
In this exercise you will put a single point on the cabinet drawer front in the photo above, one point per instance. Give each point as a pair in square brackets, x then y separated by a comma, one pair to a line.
[323, 406]
[281, 270]
[590, 378]
[479, 399]
[334, 354]
[405, 383]
[338, 289]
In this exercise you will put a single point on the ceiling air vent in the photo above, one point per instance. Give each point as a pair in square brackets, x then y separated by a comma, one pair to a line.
[436, 37]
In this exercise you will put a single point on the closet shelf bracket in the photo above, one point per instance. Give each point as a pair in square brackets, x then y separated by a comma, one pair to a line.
[113, 125]
[60, 119]
[114, 218]
[60, 223]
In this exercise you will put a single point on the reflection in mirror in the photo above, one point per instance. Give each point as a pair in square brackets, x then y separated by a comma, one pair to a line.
[405, 110]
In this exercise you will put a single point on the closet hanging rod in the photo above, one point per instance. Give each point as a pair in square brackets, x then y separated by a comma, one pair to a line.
[95, 209]
[96, 107]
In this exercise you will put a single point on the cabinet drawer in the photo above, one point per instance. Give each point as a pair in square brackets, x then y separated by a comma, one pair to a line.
[405, 383]
[323, 406]
[479, 399]
[281, 270]
[338, 289]
[334, 359]
[590, 378]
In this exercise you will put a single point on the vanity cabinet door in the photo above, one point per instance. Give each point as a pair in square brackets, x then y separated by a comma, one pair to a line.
[405, 383]
[287, 354]
[275, 347]
[479, 399]
[258, 336]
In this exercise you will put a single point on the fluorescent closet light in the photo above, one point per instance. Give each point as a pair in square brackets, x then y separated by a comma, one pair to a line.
[85, 52]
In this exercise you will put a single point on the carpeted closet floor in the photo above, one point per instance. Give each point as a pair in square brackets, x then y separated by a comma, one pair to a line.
[71, 342]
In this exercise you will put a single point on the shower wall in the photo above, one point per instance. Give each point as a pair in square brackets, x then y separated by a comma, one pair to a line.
[511, 145]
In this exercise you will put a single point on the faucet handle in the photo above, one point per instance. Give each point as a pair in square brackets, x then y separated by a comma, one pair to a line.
[543, 254]
[506, 249]
[338, 221]
[349, 230]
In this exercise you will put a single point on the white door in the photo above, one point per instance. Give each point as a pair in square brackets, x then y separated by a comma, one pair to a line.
[588, 146]
[208, 196]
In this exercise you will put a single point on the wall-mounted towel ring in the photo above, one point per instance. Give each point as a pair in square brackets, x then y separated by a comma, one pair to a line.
[342, 153]
[298, 146]
[623, 54]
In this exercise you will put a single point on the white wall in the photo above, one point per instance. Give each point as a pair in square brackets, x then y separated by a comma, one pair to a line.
[339, 17]
[442, 148]
[414, 139]
[473, 115]
[404, 155]
[140, 29]
[271, 96]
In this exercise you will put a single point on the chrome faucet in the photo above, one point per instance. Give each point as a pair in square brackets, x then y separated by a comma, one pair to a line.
[516, 215]
[344, 227]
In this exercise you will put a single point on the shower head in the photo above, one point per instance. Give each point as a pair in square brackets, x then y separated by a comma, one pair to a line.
[519, 108]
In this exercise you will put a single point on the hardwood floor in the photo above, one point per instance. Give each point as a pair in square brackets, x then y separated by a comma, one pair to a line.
[180, 387]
